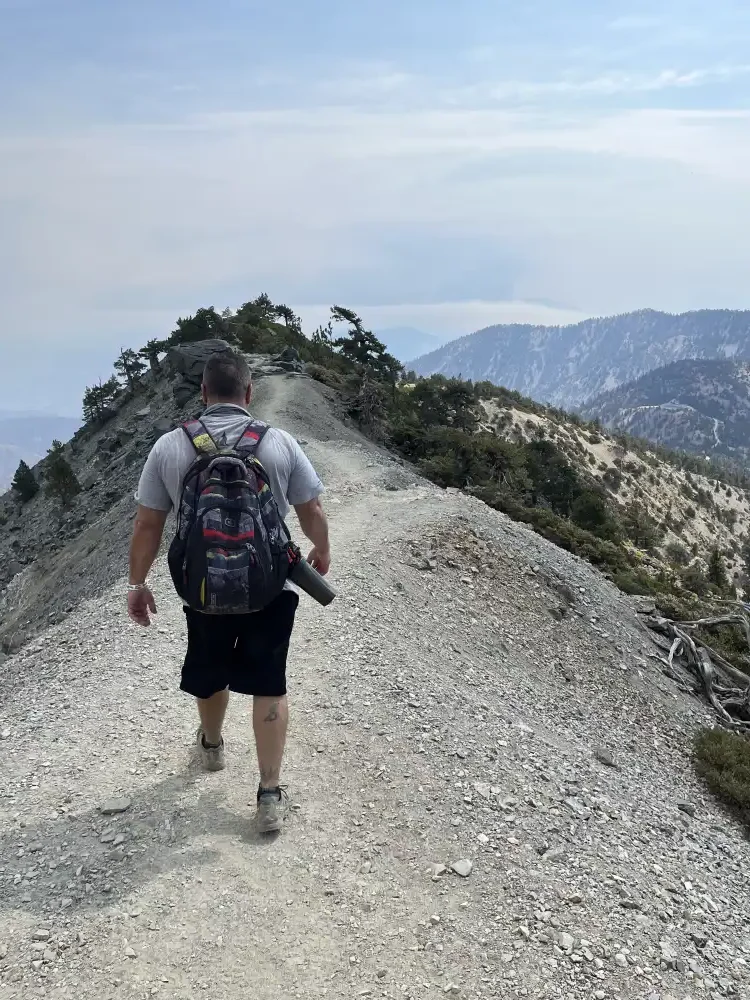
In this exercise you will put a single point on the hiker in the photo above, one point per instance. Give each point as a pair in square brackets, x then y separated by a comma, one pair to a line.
[241, 652]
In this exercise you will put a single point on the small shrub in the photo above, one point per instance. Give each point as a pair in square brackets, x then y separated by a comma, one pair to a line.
[632, 582]
[612, 478]
[694, 578]
[332, 379]
[722, 759]
[677, 554]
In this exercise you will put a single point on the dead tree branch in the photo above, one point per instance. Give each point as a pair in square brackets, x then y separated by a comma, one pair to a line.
[726, 687]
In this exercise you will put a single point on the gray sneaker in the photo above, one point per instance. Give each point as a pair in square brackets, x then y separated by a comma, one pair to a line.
[271, 809]
[212, 758]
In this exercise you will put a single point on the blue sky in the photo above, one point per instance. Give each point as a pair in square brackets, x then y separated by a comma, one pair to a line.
[429, 165]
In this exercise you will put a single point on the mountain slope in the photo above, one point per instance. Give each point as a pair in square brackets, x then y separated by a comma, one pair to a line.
[455, 714]
[699, 406]
[566, 365]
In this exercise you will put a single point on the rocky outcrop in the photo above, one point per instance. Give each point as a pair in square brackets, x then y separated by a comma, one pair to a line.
[188, 362]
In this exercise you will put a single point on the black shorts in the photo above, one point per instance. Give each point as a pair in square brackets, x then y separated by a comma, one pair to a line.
[246, 653]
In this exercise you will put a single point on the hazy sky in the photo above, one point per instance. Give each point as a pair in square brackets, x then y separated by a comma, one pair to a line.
[430, 163]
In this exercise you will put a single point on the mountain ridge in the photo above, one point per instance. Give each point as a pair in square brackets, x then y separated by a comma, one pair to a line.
[697, 405]
[567, 365]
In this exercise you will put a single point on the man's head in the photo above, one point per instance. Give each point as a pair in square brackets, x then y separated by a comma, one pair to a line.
[226, 379]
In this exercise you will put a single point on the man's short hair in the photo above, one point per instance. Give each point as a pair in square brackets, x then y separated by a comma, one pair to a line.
[226, 375]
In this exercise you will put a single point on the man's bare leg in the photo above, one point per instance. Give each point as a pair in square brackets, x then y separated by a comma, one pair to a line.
[212, 711]
[270, 721]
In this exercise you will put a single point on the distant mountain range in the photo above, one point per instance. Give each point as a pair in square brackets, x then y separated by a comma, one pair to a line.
[567, 365]
[406, 342]
[699, 406]
[27, 436]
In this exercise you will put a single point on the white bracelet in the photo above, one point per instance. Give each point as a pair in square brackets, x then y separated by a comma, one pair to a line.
[135, 587]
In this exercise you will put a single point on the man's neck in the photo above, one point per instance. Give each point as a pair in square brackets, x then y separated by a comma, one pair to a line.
[216, 404]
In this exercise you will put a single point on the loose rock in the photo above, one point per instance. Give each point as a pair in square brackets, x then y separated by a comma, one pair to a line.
[113, 806]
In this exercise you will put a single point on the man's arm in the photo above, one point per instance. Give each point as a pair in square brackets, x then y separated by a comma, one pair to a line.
[144, 548]
[314, 523]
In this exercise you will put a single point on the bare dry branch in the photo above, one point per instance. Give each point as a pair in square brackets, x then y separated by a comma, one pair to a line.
[726, 687]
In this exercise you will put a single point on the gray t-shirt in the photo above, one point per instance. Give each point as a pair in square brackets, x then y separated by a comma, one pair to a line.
[293, 479]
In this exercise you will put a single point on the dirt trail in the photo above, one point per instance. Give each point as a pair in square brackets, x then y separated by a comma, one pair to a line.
[457, 712]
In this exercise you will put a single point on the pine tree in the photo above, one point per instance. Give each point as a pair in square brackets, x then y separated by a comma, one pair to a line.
[291, 320]
[363, 347]
[98, 397]
[205, 325]
[60, 480]
[151, 352]
[323, 337]
[129, 366]
[265, 307]
[717, 574]
[24, 483]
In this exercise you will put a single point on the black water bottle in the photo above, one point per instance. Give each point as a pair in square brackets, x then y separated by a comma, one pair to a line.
[310, 580]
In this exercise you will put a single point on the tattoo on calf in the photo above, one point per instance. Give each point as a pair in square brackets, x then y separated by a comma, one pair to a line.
[273, 713]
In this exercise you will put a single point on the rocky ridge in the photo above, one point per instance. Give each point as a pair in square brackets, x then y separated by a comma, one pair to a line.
[567, 365]
[489, 773]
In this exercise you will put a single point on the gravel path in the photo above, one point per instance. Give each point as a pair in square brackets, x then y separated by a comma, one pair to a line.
[491, 787]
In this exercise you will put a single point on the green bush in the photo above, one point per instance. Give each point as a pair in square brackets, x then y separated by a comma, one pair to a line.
[612, 478]
[694, 578]
[633, 582]
[722, 759]
[677, 554]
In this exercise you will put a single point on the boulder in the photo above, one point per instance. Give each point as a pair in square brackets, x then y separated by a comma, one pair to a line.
[288, 361]
[184, 391]
[189, 360]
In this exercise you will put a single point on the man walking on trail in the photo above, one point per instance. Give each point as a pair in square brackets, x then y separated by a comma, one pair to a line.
[245, 653]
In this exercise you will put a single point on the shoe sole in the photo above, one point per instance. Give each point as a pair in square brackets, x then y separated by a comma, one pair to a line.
[210, 766]
[272, 827]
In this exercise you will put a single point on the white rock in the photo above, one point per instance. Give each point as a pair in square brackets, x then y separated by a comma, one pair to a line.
[463, 868]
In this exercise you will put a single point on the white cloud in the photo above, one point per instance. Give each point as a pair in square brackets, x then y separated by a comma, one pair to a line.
[145, 219]
[614, 83]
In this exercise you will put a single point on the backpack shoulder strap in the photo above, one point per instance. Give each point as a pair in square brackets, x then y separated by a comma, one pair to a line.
[248, 441]
[199, 437]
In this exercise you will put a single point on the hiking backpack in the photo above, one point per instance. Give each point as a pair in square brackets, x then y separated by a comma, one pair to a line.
[231, 553]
